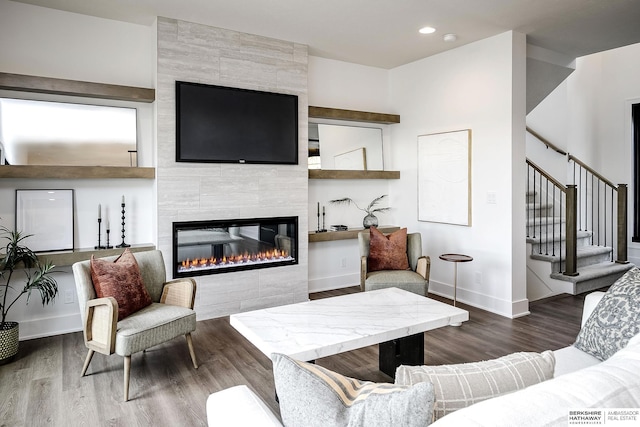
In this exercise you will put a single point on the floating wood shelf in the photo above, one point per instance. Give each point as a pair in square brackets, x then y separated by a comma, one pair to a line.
[75, 172]
[25, 83]
[352, 115]
[349, 174]
[352, 233]
[70, 257]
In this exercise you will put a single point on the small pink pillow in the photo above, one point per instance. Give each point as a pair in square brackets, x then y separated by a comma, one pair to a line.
[388, 252]
[120, 279]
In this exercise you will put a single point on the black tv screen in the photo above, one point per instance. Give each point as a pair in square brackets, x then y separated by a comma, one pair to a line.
[220, 124]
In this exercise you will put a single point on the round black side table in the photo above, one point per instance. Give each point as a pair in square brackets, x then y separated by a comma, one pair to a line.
[455, 258]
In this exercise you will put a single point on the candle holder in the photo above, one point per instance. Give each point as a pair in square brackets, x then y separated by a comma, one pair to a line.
[108, 247]
[323, 229]
[318, 229]
[99, 246]
[123, 244]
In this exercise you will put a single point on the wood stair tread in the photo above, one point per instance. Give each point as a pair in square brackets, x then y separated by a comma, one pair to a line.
[595, 271]
[594, 277]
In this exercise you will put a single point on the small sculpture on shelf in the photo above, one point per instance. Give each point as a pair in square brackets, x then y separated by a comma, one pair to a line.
[99, 246]
[323, 229]
[108, 246]
[370, 219]
[108, 229]
[123, 244]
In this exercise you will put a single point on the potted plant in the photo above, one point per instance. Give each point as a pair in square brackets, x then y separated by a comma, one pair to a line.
[15, 256]
[370, 219]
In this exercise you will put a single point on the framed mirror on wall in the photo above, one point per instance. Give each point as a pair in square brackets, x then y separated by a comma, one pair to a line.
[35, 132]
[345, 147]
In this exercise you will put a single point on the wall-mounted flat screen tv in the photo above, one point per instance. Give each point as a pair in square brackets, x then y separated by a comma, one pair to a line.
[219, 124]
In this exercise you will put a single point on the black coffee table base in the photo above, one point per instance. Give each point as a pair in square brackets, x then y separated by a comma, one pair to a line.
[402, 351]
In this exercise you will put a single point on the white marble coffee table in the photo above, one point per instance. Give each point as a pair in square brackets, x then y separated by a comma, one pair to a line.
[394, 318]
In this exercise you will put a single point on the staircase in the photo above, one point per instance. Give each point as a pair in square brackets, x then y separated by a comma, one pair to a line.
[546, 244]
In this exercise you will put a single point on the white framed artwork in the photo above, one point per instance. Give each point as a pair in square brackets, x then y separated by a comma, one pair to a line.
[444, 177]
[47, 217]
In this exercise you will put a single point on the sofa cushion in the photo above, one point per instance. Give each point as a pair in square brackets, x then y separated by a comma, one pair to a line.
[570, 359]
[614, 383]
[153, 325]
[615, 319]
[395, 277]
[120, 279]
[388, 252]
[461, 385]
[311, 395]
[403, 279]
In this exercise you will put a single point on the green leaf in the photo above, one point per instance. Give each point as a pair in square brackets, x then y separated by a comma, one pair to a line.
[369, 209]
[38, 277]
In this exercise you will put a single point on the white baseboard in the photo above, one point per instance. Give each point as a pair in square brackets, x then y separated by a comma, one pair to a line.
[335, 282]
[50, 326]
[510, 309]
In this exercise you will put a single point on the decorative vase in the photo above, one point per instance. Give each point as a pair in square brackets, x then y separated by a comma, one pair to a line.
[370, 220]
[9, 333]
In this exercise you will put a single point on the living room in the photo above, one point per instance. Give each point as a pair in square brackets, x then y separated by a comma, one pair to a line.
[502, 267]
[478, 86]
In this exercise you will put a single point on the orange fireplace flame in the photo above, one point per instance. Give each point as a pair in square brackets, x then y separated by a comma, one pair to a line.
[235, 259]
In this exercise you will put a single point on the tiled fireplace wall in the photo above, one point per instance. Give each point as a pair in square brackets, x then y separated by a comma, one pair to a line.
[198, 192]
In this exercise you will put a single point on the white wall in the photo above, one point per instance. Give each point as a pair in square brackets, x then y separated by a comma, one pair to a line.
[589, 115]
[45, 42]
[480, 87]
[337, 84]
[50, 43]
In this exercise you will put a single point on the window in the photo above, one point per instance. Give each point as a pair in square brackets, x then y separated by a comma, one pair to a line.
[635, 119]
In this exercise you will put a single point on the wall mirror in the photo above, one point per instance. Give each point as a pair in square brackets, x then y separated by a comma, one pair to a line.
[34, 132]
[345, 147]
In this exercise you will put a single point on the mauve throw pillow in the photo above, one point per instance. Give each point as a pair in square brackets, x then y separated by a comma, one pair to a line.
[120, 279]
[388, 252]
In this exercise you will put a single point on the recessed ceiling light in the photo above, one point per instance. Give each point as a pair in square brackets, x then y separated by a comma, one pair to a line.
[450, 37]
[427, 30]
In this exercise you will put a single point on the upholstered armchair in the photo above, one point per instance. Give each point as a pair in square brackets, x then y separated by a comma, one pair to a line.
[169, 313]
[414, 279]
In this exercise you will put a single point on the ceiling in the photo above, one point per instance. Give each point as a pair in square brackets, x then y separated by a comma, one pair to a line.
[384, 33]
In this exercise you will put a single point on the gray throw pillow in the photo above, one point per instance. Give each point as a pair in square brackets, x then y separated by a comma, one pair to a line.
[461, 385]
[615, 320]
[311, 395]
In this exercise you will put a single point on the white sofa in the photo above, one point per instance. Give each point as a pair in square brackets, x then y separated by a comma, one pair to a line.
[570, 359]
[580, 381]
[238, 406]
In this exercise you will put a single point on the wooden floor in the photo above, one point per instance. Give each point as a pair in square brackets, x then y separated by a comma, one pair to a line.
[43, 386]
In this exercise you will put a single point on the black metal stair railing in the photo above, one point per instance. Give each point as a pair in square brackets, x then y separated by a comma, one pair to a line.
[602, 208]
[591, 204]
[555, 206]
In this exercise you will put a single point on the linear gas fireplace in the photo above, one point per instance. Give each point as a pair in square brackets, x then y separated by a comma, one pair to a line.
[221, 246]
